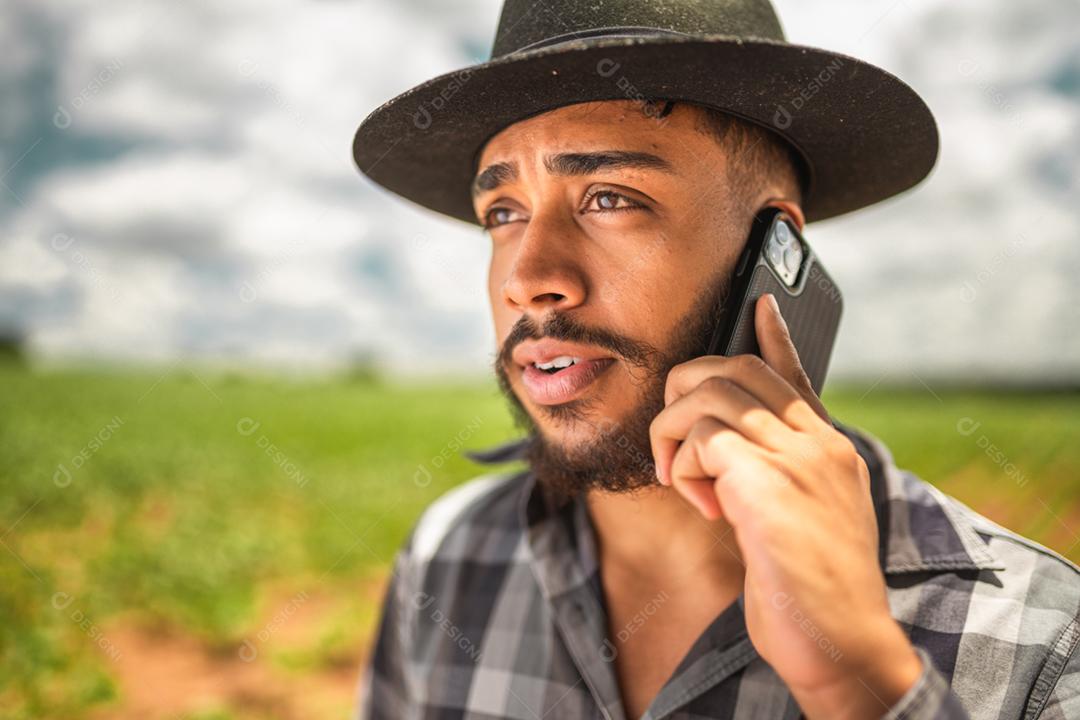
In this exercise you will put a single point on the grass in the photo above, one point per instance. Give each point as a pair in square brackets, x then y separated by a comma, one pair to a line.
[242, 515]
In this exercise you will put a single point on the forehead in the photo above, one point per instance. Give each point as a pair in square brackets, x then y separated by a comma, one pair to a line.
[607, 124]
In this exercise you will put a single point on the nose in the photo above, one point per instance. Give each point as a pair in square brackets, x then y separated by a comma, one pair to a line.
[546, 273]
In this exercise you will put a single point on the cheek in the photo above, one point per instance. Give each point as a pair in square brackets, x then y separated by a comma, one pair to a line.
[501, 315]
[646, 281]
[495, 280]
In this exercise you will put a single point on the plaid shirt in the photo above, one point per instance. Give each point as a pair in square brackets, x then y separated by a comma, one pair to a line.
[495, 610]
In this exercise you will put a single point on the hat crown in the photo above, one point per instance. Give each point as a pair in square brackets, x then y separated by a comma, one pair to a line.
[528, 24]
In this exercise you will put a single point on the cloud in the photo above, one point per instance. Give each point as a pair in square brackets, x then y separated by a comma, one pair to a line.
[970, 274]
[178, 183]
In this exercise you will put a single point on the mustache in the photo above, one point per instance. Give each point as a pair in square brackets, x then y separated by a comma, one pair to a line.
[560, 326]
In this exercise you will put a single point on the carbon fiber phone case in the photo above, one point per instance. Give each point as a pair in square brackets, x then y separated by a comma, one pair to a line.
[812, 310]
[810, 301]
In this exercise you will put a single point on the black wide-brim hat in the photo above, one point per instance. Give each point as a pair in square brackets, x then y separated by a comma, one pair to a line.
[864, 134]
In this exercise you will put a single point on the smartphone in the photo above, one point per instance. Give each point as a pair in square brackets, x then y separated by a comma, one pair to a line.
[777, 260]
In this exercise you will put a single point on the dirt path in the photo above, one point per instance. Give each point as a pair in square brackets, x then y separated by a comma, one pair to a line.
[167, 675]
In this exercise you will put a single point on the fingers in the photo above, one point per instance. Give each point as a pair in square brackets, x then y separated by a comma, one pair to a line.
[753, 375]
[722, 399]
[777, 378]
[712, 452]
[778, 351]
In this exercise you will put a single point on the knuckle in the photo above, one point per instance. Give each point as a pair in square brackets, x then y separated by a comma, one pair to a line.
[839, 450]
[675, 378]
[717, 386]
[656, 425]
[803, 383]
[748, 363]
[688, 366]
[705, 436]
[861, 468]
[806, 389]
[671, 381]
[838, 446]
[699, 433]
[717, 442]
[676, 372]
[758, 420]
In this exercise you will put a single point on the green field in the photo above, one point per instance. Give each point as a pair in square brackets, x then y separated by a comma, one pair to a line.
[191, 544]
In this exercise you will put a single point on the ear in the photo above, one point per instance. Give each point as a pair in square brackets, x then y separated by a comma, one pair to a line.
[791, 208]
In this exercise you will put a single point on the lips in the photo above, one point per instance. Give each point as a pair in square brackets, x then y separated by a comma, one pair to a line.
[565, 369]
[563, 386]
[546, 350]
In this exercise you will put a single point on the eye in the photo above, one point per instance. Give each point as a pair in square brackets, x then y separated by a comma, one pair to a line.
[606, 201]
[610, 201]
[497, 216]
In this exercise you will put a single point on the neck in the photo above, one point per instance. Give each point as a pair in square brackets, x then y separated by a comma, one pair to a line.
[652, 537]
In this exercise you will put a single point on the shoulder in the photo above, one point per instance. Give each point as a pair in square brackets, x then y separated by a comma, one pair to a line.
[467, 516]
[1047, 579]
[422, 608]
[1018, 644]
[929, 529]
[997, 611]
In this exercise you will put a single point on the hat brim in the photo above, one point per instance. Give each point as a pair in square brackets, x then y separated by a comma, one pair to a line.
[865, 134]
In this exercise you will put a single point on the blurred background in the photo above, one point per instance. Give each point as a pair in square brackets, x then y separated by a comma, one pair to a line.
[233, 372]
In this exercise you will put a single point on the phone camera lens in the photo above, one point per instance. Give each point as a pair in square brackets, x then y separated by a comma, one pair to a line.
[783, 235]
[775, 254]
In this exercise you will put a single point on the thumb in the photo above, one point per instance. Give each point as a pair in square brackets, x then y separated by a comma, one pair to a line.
[778, 351]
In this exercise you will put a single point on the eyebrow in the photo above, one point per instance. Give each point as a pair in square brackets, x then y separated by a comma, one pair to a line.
[571, 164]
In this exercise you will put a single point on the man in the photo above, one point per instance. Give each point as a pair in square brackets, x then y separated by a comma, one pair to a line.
[693, 536]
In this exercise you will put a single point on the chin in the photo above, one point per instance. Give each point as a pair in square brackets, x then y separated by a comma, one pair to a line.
[581, 419]
[599, 440]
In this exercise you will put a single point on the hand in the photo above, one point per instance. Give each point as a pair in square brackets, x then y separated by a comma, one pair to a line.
[747, 440]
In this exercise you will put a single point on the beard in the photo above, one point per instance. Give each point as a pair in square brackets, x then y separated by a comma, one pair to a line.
[618, 455]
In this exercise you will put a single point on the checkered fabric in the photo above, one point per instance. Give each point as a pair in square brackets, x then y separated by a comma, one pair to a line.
[495, 610]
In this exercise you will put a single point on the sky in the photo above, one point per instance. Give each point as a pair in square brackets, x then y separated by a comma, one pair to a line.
[177, 183]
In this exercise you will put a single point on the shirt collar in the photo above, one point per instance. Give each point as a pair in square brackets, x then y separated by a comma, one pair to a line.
[920, 529]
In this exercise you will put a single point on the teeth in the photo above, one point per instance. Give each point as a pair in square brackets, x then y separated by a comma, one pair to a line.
[563, 361]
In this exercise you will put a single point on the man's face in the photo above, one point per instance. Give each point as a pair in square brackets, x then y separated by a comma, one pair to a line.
[613, 238]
